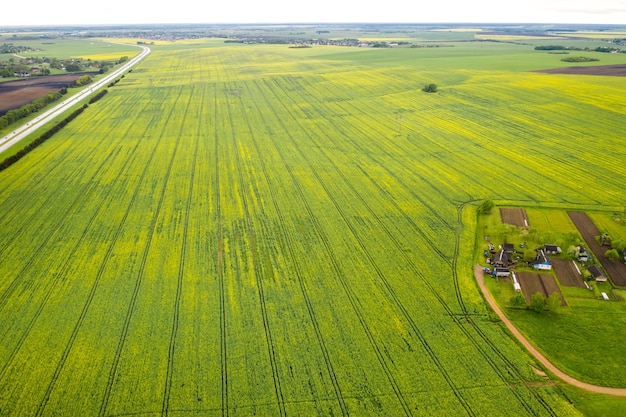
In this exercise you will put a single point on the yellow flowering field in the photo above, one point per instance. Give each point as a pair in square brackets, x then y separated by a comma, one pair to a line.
[257, 230]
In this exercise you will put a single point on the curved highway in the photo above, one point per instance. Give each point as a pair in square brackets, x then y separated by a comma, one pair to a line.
[22, 131]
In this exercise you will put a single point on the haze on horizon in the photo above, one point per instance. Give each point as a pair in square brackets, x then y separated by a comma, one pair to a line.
[79, 12]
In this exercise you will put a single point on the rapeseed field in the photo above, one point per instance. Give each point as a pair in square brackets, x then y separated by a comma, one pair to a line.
[258, 230]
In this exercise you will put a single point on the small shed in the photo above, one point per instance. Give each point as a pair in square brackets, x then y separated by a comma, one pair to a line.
[516, 285]
[597, 274]
[551, 249]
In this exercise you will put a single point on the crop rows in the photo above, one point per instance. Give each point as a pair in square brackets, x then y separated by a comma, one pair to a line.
[278, 236]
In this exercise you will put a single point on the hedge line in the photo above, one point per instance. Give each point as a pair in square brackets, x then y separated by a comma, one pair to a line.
[97, 96]
[41, 139]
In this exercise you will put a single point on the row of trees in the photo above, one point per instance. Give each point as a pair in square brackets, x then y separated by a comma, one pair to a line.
[604, 49]
[41, 139]
[97, 96]
[16, 114]
[538, 303]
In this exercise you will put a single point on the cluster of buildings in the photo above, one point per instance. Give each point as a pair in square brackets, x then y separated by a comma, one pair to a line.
[502, 260]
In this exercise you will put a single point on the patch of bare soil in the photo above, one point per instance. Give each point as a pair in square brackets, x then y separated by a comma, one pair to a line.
[605, 70]
[567, 273]
[515, 216]
[14, 94]
[615, 269]
[544, 284]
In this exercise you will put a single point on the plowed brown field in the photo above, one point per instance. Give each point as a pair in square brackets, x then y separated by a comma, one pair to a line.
[606, 70]
[615, 269]
[14, 94]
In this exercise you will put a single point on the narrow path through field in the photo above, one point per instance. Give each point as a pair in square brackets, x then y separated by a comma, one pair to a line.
[478, 273]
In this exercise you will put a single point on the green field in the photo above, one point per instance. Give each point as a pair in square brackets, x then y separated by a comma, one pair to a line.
[259, 230]
[584, 338]
[64, 48]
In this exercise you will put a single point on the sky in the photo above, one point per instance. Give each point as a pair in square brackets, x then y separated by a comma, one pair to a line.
[76, 12]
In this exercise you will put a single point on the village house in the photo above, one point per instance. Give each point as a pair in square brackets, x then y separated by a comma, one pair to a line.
[542, 262]
[500, 259]
[551, 249]
[597, 274]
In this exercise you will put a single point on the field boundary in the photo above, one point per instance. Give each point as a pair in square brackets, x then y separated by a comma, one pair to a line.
[618, 392]
[588, 230]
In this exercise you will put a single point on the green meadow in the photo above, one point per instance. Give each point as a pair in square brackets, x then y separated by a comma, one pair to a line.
[241, 230]
[66, 47]
[582, 338]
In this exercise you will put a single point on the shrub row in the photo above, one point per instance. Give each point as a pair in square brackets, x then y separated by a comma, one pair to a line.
[97, 96]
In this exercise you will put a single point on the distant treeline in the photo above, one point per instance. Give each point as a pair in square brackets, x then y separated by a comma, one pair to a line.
[41, 139]
[579, 59]
[605, 49]
[305, 43]
[34, 106]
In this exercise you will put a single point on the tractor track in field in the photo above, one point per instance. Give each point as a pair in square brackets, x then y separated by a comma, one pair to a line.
[90, 296]
[408, 189]
[26, 224]
[379, 273]
[425, 281]
[257, 271]
[512, 370]
[220, 264]
[338, 272]
[287, 238]
[181, 271]
[140, 275]
[392, 201]
[478, 346]
[416, 271]
[62, 271]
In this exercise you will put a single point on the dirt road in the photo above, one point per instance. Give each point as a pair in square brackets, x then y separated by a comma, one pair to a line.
[621, 392]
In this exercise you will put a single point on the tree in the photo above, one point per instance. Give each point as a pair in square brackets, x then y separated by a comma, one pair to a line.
[518, 300]
[486, 206]
[619, 245]
[430, 88]
[55, 63]
[612, 254]
[538, 302]
[553, 302]
[72, 68]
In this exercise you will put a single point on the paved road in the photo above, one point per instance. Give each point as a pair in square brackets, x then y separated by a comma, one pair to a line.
[621, 392]
[28, 128]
